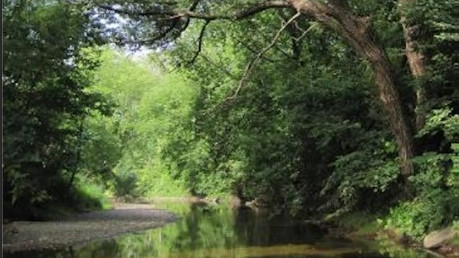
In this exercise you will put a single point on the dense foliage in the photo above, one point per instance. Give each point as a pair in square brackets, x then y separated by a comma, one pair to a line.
[306, 131]
[125, 149]
[282, 112]
[45, 74]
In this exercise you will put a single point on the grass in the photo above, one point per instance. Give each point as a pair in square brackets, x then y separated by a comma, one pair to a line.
[91, 196]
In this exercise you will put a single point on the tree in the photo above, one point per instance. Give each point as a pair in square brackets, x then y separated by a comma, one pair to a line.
[416, 61]
[430, 32]
[168, 20]
[152, 112]
[44, 79]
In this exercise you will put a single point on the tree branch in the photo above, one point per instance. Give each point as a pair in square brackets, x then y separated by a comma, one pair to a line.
[267, 38]
[251, 64]
[305, 32]
[158, 36]
[253, 51]
[219, 66]
[194, 5]
[201, 36]
[172, 14]
[255, 60]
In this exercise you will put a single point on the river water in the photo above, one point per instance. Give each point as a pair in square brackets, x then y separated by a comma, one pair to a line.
[221, 231]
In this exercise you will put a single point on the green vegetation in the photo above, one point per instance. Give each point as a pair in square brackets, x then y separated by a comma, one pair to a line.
[45, 74]
[350, 107]
[126, 149]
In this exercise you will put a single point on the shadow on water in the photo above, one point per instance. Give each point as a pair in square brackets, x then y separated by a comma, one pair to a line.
[219, 231]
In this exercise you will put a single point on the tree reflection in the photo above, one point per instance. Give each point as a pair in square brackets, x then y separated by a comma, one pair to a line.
[220, 231]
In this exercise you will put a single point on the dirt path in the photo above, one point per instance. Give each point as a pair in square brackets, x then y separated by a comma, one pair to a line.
[81, 228]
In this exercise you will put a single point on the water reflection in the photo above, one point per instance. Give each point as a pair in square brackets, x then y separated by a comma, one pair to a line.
[219, 231]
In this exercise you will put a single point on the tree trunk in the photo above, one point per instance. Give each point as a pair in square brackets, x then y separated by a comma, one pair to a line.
[416, 61]
[354, 30]
[78, 154]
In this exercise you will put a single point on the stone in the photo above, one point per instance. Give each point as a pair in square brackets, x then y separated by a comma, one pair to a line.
[235, 201]
[438, 238]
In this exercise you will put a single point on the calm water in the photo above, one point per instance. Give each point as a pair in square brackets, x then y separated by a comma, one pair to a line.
[219, 231]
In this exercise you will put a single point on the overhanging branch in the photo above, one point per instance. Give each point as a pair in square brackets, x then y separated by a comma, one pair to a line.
[244, 12]
[257, 57]
[200, 38]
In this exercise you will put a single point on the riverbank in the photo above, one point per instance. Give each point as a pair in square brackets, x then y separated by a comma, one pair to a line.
[363, 226]
[79, 229]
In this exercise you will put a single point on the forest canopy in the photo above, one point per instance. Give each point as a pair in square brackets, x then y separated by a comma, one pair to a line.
[308, 106]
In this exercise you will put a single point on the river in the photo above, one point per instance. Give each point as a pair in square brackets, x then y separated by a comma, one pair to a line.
[221, 231]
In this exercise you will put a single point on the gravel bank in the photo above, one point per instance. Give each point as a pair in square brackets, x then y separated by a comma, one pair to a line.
[82, 228]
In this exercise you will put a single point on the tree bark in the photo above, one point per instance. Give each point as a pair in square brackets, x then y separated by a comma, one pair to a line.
[416, 61]
[354, 30]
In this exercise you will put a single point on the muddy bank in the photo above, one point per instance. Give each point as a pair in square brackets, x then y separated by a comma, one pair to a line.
[80, 229]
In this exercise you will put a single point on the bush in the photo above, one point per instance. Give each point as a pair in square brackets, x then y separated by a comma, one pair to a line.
[435, 184]
[90, 195]
[362, 179]
[416, 218]
[125, 185]
[437, 201]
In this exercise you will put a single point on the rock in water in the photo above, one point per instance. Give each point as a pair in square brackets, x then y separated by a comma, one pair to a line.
[438, 238]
